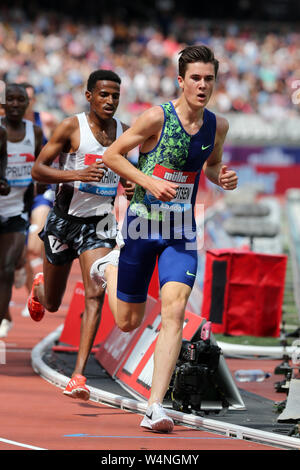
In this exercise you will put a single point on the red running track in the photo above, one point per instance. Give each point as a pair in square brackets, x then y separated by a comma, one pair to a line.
[36, 415]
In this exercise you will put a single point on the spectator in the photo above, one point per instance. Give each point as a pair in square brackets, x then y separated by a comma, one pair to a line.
[57, 55]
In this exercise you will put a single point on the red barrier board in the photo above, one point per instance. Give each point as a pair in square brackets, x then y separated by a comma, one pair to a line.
[71, 331]
[153, 290]
[112, 351]
[243, 292]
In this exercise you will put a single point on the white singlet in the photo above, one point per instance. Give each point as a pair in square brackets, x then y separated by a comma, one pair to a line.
[87, 199]
[20, 160]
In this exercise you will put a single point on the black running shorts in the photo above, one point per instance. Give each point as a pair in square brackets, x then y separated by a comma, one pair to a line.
[66, 238]
[13, 224]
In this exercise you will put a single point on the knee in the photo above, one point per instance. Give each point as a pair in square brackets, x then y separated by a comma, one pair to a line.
[52, 306]
[173, 314]
[128, 324]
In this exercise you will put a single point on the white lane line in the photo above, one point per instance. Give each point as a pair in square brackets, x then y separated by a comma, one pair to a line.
[10, 350]
[20, 444]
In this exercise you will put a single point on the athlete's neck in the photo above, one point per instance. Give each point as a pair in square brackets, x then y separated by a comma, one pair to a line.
[97, 123]
[13, 124]
[190, 117]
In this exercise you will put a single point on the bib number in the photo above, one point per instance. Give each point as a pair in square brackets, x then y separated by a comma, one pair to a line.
[18, 170]
[184, 179]
[107, 187]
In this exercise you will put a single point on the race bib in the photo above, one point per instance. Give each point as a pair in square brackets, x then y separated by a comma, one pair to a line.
[18, 169]
[185, 181]
[108, 185]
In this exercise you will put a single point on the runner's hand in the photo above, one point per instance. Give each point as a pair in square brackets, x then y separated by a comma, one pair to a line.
[163, 190]
[227, 178]
[4, 187]
[93, 172]
[129, 189]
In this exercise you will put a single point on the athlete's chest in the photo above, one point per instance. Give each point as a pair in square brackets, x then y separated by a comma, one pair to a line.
[184, 150]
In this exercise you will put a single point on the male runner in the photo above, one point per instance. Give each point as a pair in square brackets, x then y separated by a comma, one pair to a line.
[42, 203]
[177, 140]
[24, 142]
[81, 224]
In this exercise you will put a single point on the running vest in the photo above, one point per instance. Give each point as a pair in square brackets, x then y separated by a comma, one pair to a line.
[87, 199]
[20, 160]
[178, 157]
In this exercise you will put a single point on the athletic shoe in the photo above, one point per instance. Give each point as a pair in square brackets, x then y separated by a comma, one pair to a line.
[97, 270]
[25, 311]
[156, 419]
[36, 309]
[5, 327]
[76, 388]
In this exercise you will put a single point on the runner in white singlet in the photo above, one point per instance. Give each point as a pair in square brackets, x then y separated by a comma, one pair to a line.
[24, 142]
[81, 223]
[42, 202]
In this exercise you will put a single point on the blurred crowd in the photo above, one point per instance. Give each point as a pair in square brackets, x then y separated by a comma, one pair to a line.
[56, 54]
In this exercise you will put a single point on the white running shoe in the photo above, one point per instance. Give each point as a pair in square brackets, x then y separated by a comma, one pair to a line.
[97, 270]
[5, 327]
[156, 419]
[25, 311]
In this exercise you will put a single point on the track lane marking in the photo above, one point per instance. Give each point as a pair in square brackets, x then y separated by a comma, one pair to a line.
[20, 444]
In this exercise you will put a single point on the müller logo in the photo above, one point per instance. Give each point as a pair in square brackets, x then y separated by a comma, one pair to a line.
[176, 177]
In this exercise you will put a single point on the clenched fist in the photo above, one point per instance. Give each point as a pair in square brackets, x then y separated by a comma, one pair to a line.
[227, 178]
[93, 172]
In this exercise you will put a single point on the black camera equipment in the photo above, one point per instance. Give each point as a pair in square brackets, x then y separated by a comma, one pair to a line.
[194, 378]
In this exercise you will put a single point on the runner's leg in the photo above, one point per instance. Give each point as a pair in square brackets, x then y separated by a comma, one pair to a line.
[51, 292]
[34, 243]
[111, 276]
[11, 247]
[94, 298]
[174, 297]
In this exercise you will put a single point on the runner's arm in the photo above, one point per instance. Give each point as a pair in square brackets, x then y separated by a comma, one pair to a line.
[61, 141]
[214, 168]
[146, 126]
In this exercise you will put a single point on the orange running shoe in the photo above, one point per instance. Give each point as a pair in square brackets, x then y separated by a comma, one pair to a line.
[76, 388]
[35, 308]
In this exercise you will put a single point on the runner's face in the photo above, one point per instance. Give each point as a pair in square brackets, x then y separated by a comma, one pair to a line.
[16, 103]
[104, 98]
[198, 83]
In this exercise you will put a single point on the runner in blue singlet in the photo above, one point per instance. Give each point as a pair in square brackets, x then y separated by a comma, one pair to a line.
[177, 140]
